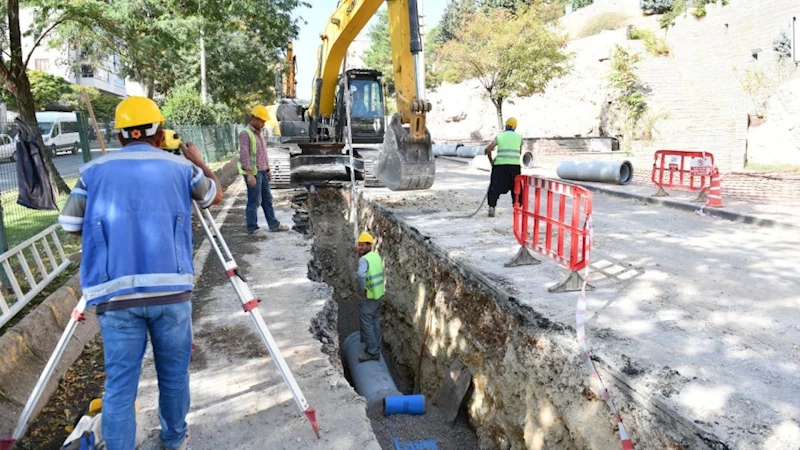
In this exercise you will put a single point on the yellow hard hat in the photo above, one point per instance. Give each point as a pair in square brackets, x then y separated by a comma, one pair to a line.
[171, 140]
[366, 238]
[138, 111]
[260, 112]
[511, 122]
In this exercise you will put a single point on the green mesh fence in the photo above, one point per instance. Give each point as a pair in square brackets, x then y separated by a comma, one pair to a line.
[217, 143]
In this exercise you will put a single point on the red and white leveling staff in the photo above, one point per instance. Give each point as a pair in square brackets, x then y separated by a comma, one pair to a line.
[249, 303]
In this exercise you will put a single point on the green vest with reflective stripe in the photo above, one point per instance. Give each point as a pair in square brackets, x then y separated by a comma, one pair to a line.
[253, 151]
[373, 282]
[508, 145]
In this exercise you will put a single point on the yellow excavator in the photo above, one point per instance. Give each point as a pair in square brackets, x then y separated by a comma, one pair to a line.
[319, 128]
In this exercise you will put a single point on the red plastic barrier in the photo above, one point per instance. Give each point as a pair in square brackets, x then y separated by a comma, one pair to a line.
[682, 170]
[550, 218]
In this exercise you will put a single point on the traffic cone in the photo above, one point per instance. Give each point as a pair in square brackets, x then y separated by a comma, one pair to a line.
[715, 190]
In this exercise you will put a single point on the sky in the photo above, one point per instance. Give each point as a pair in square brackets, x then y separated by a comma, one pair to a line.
[307, 42]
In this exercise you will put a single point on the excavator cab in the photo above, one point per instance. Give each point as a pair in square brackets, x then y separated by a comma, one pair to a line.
[405, 160]
[367, 111]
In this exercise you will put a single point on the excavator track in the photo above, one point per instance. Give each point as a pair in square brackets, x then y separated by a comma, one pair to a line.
[405, 164]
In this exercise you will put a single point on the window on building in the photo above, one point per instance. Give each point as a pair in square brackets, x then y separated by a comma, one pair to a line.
[101, 74]
[86, 71]
[42, 64]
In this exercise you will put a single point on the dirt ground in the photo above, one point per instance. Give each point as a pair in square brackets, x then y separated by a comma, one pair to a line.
[82, 383]
[696, 314]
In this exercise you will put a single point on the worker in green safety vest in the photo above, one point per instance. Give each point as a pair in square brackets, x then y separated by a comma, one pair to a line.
[371, 288]
[254, 167]
[505, 167]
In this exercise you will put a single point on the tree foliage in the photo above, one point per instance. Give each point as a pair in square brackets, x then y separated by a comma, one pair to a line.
[453, 17]
[46, 89]
[183, 106]
[379, 54]
[656, 6]
[782, 44]
[628, 87]
[520, 61]
[159, 43]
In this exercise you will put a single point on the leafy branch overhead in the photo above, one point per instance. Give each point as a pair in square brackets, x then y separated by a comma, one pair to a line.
[520, 61]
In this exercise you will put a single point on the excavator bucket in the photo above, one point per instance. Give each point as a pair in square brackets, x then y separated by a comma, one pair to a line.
[321, 164]
[405, 164]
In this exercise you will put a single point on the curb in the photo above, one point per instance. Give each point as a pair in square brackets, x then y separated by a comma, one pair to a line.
[677, 204]
[26, 347]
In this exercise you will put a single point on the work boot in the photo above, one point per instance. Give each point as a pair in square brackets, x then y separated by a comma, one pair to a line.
[491, 211]
[184, 445]
[367, 357]
[279, 228]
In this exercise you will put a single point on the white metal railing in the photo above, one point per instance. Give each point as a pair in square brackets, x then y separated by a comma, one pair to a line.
[36, 277]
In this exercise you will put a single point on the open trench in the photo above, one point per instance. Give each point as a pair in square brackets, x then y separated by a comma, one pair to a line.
[522, 392]
[334, 263]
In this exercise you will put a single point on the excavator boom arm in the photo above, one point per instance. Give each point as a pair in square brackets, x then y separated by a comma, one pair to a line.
[350, 17]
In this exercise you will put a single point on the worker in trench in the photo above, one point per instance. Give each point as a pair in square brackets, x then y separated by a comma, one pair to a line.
[371, 289]
[506, 166]
[133, 211]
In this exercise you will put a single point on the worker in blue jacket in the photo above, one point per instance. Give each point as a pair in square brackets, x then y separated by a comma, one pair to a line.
[133, 209]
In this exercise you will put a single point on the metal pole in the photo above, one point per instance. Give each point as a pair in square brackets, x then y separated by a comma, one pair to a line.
[87, 154]
[203, 88]
[353, 199]
[422, 53]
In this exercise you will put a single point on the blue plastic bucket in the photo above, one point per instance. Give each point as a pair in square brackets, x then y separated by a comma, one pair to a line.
[404, 404]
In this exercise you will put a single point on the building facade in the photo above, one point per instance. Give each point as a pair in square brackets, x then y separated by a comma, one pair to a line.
[68, 63]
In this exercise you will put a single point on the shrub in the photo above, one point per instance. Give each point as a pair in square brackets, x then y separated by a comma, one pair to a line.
[656, 6]
[601, 22]
[654, 45]
[699, 11]
[183, 106]
[782, 44]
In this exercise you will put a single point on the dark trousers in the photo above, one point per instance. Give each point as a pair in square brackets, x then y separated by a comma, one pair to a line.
[370, 312]
[502, 182]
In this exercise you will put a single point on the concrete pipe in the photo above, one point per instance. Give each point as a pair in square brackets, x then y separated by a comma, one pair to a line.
[371, 379]
[470, 152]
[619, 172]
[526, 160]
[446, 149]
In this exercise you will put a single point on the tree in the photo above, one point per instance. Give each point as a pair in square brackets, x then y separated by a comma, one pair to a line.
[452, 18]
[158, 43]
[183, 106]
[379, 54]
[519, 61]
[103, 105]
[13, 71]
[46, 89]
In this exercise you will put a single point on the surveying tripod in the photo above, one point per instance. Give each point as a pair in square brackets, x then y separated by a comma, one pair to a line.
[249, 304]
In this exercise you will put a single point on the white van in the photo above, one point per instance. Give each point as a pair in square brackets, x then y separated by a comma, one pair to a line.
[59, 131]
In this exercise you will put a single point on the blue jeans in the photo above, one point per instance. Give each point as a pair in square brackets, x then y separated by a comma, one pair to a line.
[259, 194]
[124, 334]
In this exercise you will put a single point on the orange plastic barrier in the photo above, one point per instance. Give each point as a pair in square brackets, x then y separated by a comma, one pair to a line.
[551, 218]
[682, 170]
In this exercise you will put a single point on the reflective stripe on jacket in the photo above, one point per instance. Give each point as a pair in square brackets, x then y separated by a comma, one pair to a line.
[508, 148]
[253, 152]
[373, 282]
